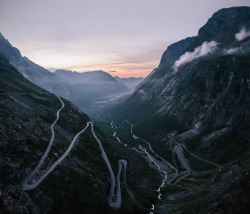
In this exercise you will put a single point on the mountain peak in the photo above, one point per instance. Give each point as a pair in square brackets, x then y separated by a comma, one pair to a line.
[4, 39]
[63, 71]
[221, 28]
[225, 23]
[97, 71]
[232, 11]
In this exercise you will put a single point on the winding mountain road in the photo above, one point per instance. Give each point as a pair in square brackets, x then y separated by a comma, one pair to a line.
[114, 198]
[117, 202]
[122, 163]
[169, 176]
[25, 184]
[215, 164]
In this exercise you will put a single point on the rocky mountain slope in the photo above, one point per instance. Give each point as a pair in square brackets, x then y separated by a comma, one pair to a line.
[26, 114]
[204, 86]
[199, 96]
[184, 133]
[81, 182]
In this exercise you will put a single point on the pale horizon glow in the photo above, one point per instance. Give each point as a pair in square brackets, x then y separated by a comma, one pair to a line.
[128, 37]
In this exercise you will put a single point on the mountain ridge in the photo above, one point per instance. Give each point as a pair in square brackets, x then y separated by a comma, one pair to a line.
[165, 71]
[88, 87]
[130, 82]
[82, 178]
[199, 97]
[184, 132]
[56, 83]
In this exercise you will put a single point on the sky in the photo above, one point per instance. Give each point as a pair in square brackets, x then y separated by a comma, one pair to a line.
[123, 37]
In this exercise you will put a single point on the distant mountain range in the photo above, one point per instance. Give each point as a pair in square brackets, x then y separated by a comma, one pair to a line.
[88, 87]
[130, 82]
[83, 89]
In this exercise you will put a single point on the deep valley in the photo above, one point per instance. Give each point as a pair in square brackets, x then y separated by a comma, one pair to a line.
[175, 142]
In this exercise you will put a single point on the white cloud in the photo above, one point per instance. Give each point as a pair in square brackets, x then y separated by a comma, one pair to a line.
[242, 34]
[232, 50]
[204, 49]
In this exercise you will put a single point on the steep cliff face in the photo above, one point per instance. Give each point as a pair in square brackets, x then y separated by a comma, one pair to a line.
[224, 24]
[212, 93]
[201, 81]
[174, 51]
[199, 97]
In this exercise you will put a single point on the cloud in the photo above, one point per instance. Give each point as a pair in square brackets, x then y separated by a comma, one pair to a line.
[242, 34]
[232, 50]
[112, 71]
[204, 49]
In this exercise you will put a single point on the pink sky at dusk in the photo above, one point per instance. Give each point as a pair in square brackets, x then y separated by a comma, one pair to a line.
[128, 37]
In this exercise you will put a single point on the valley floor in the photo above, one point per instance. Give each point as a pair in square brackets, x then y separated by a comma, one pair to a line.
[188, 181]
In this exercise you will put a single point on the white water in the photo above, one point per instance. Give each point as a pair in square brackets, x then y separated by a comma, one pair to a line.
[161, 170]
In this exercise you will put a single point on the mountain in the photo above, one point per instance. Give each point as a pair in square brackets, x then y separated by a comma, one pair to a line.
[70, 85]
[26, 114]
[33, 72]
[178, 144]
[130, 82]
[195, 92]
[88, 87]
[199, 96]
[82, 180]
